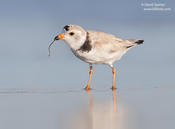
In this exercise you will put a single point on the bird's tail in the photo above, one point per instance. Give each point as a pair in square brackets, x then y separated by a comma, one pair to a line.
[132, 43]
[139, 42]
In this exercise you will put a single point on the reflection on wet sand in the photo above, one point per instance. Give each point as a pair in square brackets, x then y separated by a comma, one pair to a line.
[101, 115]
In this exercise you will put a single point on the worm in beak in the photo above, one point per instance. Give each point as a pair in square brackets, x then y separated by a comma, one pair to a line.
[58, 37]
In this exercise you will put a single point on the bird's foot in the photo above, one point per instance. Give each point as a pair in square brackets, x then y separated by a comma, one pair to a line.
[113, 88]
[87, 88]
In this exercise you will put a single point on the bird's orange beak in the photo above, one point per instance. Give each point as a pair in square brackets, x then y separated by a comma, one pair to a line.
[59, 37]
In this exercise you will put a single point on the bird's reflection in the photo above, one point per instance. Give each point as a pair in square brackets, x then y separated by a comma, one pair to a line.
[104, 115]
[98, 115]
[115, 99]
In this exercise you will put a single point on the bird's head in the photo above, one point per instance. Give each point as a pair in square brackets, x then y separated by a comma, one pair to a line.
[74, 35]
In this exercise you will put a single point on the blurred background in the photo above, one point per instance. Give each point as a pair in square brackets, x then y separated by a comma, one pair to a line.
[28, 27]
[145, 75]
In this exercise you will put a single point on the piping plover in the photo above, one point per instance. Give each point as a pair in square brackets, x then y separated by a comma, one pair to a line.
[95, 47]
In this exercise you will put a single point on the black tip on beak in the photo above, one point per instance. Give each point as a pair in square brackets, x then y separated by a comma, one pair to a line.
[56, 38]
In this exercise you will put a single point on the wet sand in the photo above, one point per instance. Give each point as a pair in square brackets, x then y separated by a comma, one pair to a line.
[130, 108]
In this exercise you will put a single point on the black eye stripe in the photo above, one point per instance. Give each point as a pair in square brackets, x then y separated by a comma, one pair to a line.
[66, 27]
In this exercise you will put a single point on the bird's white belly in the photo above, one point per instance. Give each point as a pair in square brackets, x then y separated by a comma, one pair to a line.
[94, 57]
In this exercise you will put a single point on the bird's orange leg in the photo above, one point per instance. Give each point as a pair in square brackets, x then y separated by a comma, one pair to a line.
[89, 81]
[114, 75]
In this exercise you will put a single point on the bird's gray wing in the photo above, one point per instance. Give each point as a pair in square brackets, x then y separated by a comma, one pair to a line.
[106, 42]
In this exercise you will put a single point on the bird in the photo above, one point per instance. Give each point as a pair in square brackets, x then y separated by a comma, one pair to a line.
[95, 47]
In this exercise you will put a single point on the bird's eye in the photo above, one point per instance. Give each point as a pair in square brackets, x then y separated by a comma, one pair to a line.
[71, 33]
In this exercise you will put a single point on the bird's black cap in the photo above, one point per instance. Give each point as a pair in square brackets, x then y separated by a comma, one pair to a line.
[66, 27]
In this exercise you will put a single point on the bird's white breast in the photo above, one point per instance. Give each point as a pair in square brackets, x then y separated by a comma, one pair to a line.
[96, 57]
